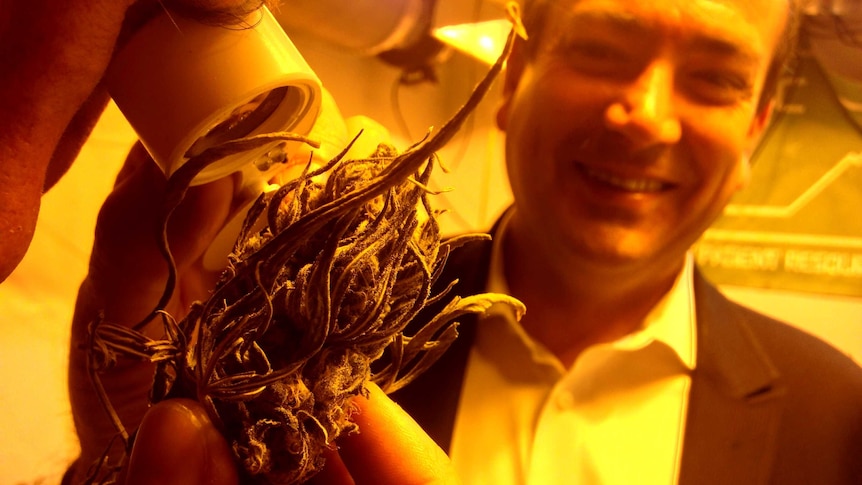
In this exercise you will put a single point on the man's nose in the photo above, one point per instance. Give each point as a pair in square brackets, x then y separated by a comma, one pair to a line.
[644, 110]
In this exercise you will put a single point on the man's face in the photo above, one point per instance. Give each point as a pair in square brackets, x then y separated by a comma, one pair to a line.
[628, 130]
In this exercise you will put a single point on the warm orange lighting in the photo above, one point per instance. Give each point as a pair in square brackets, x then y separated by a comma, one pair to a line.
[481, 40]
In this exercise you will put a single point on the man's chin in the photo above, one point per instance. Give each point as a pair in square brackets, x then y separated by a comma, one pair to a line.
[616, 257]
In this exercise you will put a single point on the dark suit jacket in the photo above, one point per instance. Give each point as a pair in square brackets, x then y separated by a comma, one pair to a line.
[769, 404]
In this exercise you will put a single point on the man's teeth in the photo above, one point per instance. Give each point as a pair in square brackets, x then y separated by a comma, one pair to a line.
[628, 184]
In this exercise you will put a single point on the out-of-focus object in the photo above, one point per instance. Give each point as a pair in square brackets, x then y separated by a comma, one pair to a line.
[482, 40]
[477, 29]
[185, 86]
[397, 32]
[834, 7]
[411, 34]
[368, 27]
[833, 32]
[794, 227]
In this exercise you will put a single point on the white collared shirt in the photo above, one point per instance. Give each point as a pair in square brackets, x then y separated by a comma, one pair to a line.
[616, 417]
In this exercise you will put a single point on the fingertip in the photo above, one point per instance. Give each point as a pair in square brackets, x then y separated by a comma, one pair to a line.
[390, 447]
[334, 472]
[178, 444]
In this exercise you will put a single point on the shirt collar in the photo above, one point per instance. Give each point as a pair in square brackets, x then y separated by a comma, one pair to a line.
[671, 322]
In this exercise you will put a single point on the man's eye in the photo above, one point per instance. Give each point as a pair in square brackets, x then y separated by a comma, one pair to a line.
[719, 87]
[720, 79]
[602, 59]
[596, 51]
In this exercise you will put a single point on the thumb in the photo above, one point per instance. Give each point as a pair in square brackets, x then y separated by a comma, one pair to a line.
[178, 444]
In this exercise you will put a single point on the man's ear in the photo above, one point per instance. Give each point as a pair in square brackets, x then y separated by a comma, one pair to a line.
[514, 69]
[758, 125]
[755, 133]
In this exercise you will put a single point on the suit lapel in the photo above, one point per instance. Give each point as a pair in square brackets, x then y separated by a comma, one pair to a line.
[432, 399]
[735, 402]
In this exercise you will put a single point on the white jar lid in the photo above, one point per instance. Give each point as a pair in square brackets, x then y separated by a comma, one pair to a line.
[185, 86]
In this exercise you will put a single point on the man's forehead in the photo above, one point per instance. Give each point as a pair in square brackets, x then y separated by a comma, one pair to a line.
[755, 8]
[762, 21]
[747, 8]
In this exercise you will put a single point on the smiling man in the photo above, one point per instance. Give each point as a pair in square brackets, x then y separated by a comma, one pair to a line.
[628, 128]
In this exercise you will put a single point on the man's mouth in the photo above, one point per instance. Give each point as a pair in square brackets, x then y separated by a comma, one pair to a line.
[628, 184]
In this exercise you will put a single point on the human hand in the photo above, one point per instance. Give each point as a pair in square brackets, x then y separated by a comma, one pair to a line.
[178, 444]
[127, 276]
